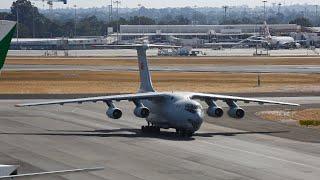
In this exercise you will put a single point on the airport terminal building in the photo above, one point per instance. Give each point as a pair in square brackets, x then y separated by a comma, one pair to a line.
[200, 34]
[185, 35]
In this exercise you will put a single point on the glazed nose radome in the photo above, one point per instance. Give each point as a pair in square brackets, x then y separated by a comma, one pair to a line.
[196, 121]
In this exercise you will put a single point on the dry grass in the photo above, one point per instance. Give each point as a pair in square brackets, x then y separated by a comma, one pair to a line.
[299, 117]
[60, 82]
[162, 61]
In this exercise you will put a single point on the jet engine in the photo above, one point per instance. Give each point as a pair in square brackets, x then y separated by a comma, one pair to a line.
[235, 111]
[141, 111]
[114, 113]
[214, 110]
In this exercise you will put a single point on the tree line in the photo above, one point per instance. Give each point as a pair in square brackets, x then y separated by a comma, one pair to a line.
[34, 24]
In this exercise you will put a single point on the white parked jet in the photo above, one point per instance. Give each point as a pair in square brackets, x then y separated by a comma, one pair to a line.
[278, 41]
[11, 172]
[178, 110]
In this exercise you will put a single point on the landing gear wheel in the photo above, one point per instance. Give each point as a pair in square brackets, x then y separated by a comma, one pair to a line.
[143, 129]
[184, 133]
[150, 129]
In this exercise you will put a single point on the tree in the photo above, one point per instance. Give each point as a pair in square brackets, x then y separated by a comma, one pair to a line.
[170, 20]
[302, 21]
[5, 15]
[31, 20]
[90, 26]
[141, 20]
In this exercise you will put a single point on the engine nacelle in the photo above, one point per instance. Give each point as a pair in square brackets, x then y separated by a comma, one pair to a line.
[141, 112]
[215, 111]
[236, 112]
[114, 113]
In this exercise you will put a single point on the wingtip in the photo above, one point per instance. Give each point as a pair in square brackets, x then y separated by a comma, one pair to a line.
[97, 168]
[298, 105]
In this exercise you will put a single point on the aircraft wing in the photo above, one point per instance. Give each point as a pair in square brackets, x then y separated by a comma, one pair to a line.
[23, 176]
[129, 97]
[215, 97]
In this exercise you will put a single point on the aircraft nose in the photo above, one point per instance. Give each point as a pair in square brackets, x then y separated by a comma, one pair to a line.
[196, 121]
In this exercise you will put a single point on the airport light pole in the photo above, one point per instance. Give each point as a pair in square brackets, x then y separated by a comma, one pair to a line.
[195, 15]
[305, 12]
[17, 29]
[118, 28]
[75, 20]
[18, 22]
[139, 5]
[317, 13]
[264, 9]
[225, 11]
[33, 23]
[111, 11]
[279, 7]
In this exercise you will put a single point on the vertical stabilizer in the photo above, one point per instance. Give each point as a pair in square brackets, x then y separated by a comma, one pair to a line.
[145, 78]
[7, 29]
[266, 31]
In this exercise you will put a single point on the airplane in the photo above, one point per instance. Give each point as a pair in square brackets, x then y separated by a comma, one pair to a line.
[267, 39]
[278, 41]
[11, 172]
[178, 110]
[7, 29]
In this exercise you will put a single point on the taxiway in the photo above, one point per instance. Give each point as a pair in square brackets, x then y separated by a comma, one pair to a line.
[181, 68]
[58, 137]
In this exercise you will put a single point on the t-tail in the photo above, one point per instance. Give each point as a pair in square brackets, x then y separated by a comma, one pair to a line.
[7, 29]
[145, 77]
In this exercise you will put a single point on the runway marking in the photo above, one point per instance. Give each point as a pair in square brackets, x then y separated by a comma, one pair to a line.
[261, 155]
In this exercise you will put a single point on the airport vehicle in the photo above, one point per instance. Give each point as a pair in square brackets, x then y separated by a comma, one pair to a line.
[11, 172]
[7, 29]
[178, 110]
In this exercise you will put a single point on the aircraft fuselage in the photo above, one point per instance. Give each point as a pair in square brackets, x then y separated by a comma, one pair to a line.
[175, 111]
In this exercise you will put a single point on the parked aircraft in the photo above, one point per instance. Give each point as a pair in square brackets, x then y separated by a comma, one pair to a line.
[266, 40]
[178, 110]
[278, 41]
[7, 29]
[11, 172]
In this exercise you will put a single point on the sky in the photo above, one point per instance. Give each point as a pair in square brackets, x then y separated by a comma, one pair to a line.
[5, 4]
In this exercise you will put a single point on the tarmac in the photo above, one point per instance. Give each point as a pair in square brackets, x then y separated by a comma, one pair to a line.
[75, 136]
[229, 69]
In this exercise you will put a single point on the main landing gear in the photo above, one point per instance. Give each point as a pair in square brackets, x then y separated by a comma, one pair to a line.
[150, 129]
[184, 133]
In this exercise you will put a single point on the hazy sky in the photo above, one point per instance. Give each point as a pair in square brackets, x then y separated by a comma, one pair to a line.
[162, 3]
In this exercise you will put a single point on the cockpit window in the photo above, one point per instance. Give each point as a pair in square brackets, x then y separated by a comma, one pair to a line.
[192, 108]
